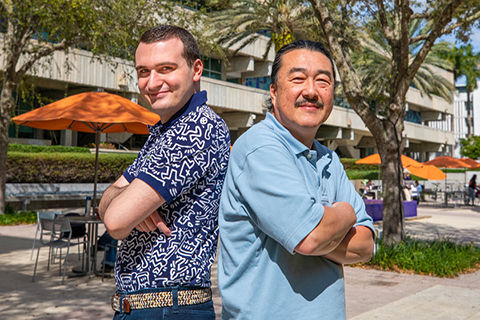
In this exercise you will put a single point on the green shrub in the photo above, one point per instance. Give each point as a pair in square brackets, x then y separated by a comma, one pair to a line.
[16, 147]
[65, 167]
[11, 217]
[440, 257]
[362, 174]
[349, 164]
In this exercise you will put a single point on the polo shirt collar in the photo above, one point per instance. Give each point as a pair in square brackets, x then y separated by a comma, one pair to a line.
[318, 151]
[197, 99]
[297, 146]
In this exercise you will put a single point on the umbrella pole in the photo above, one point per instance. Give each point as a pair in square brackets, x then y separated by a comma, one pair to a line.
[97, 142]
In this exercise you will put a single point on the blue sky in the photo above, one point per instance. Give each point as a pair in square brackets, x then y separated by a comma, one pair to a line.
[474, 41]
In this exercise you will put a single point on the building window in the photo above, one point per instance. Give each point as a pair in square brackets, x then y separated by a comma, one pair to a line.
[212, 68]
[259, 83]
[413, 116]
[23, 106]
[341, 102]
[235, 80]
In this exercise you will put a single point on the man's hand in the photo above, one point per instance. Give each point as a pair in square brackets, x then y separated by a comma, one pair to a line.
[152, 222]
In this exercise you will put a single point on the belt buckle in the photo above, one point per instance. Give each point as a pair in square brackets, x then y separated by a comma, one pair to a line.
[125, 305]
[125, 308]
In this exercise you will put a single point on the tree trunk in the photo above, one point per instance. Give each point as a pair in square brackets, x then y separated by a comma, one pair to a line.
[469, 116]
[6, 107]
[390, 149]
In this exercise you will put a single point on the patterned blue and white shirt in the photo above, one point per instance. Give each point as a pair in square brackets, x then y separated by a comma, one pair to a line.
[184, 160]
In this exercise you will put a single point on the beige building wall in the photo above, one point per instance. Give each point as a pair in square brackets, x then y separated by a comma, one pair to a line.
[241, 106]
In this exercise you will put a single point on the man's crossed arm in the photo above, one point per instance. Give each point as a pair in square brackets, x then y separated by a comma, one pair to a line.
[125, 206]
[336, 238]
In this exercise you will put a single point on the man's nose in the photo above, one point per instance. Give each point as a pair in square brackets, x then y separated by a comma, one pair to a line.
[310, 91]
[155, 81]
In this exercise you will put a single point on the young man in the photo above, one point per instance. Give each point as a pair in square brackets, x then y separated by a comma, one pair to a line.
[165, 206]
[289, 216]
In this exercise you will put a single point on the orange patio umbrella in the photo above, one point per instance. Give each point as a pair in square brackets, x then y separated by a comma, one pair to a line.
[414, 167]
[426, 171]
[448, 162]
[95, 112]
[473, 164]
[375, 159]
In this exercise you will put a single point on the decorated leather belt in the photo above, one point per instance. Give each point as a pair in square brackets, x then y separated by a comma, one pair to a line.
[160, 299]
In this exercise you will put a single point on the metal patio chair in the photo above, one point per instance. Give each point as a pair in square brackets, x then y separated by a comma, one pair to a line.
[52, 233]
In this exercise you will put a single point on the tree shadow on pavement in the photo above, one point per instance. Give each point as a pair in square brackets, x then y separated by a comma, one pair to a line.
[46, 298]
[428, 231]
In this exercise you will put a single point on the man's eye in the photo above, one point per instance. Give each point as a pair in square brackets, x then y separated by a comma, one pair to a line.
[165, 69]
[143, 72]
[323, 82]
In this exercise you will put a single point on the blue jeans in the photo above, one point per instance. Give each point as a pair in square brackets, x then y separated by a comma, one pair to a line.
[203, 311]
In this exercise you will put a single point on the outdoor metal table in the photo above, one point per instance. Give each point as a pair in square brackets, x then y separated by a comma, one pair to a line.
[92, 223]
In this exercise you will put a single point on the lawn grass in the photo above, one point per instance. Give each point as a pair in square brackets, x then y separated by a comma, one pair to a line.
[439, 257]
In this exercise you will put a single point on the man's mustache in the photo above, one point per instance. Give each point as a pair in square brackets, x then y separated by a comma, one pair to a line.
[317, 103]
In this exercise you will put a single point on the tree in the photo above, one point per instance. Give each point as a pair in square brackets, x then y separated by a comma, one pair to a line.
[465, 63]
[32, 30]
[470, 147]
[394, 20]
[373, 64]
[247, 20]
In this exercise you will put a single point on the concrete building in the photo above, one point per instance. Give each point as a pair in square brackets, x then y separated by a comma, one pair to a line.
[235, 91]
[460, 127]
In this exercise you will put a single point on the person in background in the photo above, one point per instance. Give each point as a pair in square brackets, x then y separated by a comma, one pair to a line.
[472, 189]
[110, 251]
[414, 192]
[419, 190]
[289, 216]
[369, 186]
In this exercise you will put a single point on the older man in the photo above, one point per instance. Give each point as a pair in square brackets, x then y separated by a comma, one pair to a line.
[289, 216]
[165, 205]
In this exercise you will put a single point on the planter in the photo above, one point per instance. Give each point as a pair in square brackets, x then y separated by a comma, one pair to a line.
[375, 209]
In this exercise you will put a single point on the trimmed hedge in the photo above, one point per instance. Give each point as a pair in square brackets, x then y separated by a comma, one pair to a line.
[16, 147]
[349, 164]
[65, 167]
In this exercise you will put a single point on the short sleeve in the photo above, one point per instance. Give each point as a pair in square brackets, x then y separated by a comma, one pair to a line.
[183, 155]
[132, 170]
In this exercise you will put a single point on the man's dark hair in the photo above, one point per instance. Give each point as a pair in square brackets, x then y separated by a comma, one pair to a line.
[297, 45]
[166, 32]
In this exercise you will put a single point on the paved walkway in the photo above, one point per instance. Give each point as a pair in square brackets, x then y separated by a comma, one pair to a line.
[370, 294]
[373, 294]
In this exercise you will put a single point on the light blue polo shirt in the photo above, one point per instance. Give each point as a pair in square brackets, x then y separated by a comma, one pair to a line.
[273, 197]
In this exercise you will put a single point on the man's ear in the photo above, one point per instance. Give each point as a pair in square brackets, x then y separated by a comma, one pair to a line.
[273, 94]
[197, 70]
